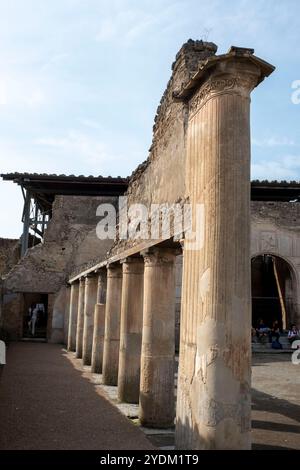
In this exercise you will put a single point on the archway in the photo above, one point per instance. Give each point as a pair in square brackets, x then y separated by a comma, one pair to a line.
[273, 293]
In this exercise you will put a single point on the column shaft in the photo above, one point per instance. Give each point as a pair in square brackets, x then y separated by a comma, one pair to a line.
[131, 330]
[80, 318]
[157, 407]
[90, 297]
[73, 312]
[99, 324]
[213, 400]
[112, 325]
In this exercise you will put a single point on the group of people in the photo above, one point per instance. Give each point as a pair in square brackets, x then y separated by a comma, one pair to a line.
[34, 314]
[263, 333]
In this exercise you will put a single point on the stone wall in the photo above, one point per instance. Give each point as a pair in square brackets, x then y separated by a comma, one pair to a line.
[12, 304]
[70, 243]
[275, 229]
[160, 178]
[9, 254]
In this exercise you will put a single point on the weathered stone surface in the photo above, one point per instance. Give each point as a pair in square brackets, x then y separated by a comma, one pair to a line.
[275, 230]
[131, 330]
[90, 299]
[47, 266]
[99, 323]
[80, 318]
[157, 407]
[213, 406]
[9, 254]
[151, 182]
[112, 325]
[73, 312]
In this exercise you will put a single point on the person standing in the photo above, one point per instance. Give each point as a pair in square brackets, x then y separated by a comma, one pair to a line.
[33, 320]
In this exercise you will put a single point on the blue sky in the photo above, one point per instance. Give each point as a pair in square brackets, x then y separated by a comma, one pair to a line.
[80, 81]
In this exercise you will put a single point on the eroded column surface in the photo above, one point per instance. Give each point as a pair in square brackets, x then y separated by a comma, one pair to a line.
[112, 325]
[80, 318]
[157, 407]
[213, 401]
[99, 323]
[90, 298]
[131, 330]
[73, 316]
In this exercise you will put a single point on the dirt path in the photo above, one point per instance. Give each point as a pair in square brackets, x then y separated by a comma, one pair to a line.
[46, 404]
[275, 402]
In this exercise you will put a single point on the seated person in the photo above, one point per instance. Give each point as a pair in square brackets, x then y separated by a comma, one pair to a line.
[253, 335]
[274, 332]
[262, 331]
[293, 333]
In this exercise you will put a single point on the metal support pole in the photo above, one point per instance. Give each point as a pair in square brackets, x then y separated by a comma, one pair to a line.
[26, 222]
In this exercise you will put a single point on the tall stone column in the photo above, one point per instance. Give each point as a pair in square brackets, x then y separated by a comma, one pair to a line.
[131, 330]
[80, 318]
[112, 325]
[73, 316]
[157, 407]
[90, 298]
[99, 323]
[213, 401]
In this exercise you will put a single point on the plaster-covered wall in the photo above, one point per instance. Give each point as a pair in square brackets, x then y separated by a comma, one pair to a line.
[70, 243]
[9, 254]
[160, 179]
[275, 229]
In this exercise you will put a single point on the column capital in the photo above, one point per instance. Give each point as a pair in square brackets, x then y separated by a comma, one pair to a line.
[237, 72]
[91, 278]
[132, 265]
[101, 274]
[102, 283]
[159, 256]
[114, 270]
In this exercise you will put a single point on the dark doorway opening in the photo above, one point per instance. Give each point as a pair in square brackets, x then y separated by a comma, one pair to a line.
[35, 316]
[271, 281]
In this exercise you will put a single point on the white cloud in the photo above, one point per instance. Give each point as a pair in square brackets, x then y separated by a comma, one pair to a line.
[21, 91]
[273, 142]
[54, 61]
[107, 31]
[90, 123]
[285, 168]
[78, 144]
[128, 25]
[91, 155]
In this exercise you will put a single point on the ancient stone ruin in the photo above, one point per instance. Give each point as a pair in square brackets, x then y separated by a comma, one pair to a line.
[126, 305]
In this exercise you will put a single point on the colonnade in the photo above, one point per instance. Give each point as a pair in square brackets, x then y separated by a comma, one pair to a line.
[136, 351]
[122, 323]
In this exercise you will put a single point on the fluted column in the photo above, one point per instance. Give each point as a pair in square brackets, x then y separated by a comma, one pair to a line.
[213, 400]
[112, 325]
[90, 298]
[80, 318]
[73, 316]
[131, 330]
[99, 323]
[157, 407]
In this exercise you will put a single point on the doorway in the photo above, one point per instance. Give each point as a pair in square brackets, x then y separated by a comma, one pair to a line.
[35, 329]
[272, 291]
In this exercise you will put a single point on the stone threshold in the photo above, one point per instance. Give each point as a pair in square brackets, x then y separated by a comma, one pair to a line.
[34, 340]
[272, 351]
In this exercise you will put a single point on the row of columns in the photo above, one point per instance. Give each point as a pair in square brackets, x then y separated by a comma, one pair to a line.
[122, 323]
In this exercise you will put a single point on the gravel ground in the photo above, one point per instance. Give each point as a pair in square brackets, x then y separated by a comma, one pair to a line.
[49, 402]
[45, 403]
[275, 402]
